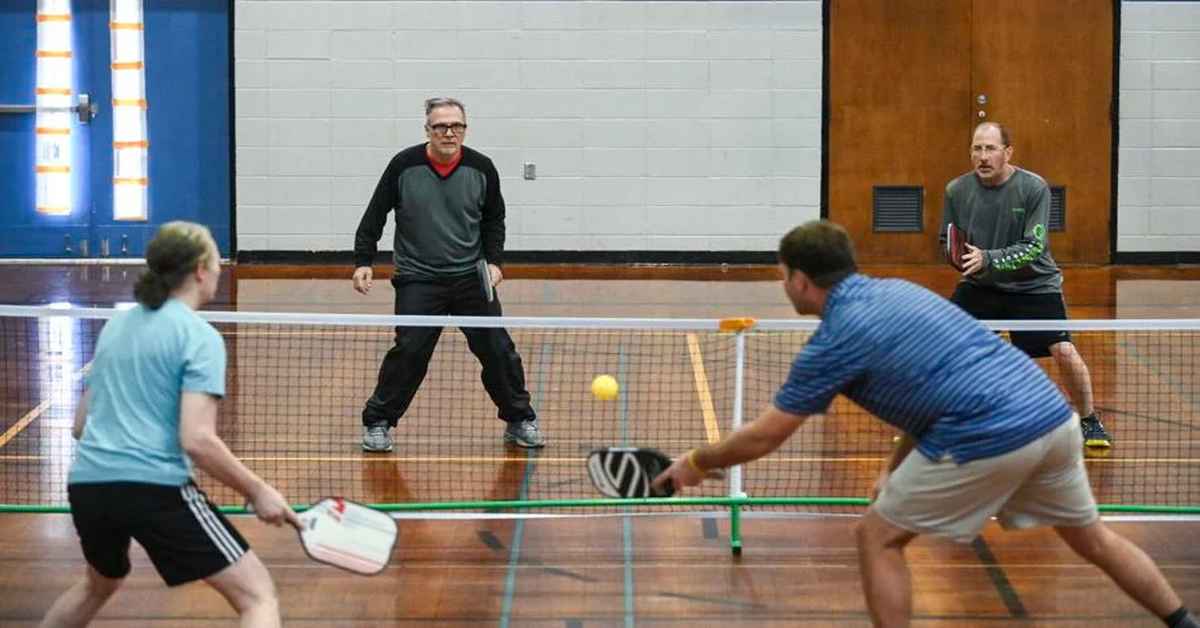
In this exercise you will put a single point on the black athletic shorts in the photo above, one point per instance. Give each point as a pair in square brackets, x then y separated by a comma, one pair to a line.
[986, 304]
[185, 535]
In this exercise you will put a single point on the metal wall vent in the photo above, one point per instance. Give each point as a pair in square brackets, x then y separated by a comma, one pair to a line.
[1058, 208]
[898, 208]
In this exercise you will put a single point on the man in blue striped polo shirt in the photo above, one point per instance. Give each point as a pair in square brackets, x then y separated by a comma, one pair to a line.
[960, 395]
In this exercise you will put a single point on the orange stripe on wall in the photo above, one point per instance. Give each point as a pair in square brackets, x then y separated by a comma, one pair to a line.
[53, 17]
[53, 91]
[133, 144]
[125, 26]
[55, 54]
[129, 102]
[128, 65]
[45, 209]
[53, 169]
[45, 130]
[131, 181]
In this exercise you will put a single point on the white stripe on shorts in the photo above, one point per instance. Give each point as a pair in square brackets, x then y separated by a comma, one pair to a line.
[212, 526]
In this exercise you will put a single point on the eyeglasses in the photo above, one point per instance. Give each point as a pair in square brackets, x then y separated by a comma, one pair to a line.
[986, 149]
[441, 128]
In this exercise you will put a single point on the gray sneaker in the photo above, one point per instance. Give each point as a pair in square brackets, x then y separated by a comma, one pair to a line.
[376, 437]
[524, 434]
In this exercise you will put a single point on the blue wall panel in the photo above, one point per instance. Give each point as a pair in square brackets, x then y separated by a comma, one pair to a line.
[188, 88]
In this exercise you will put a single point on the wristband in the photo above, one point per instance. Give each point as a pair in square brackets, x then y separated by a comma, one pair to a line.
[691, 460]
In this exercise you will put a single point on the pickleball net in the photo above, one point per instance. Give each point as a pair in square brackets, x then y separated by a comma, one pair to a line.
[296, 384]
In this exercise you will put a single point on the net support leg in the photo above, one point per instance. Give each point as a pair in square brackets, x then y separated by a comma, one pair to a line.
[735, 473]
[735, 530]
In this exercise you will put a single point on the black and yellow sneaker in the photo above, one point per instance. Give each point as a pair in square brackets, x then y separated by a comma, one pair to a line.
[1094, 434]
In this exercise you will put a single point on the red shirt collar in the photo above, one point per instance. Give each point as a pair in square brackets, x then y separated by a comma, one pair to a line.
[443, 169]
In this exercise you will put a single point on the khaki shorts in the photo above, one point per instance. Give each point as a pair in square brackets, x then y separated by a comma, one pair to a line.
[1043, 483]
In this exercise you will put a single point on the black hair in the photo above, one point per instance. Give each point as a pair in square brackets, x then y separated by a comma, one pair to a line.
[820, 249]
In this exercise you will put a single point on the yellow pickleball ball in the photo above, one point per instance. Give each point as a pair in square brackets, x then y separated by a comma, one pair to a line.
[605, 387]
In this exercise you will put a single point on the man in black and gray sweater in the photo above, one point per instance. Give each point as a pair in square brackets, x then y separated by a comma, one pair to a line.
[1008, 270]
[449, 215]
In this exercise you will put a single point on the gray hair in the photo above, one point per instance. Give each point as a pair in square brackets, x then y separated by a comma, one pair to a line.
[442, 101]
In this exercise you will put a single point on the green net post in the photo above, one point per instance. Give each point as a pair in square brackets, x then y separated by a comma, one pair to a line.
[735, 529]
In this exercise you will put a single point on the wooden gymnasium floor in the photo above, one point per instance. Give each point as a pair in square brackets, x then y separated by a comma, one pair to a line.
[615, 570]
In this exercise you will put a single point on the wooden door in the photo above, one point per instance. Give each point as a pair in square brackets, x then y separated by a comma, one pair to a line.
[899, 75]
[904, 77]
[1046, 70]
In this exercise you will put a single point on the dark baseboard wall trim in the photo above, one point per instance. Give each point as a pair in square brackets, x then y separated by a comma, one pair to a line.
[640, 257]
[1157, 258]
[344, 258]
[530, 257]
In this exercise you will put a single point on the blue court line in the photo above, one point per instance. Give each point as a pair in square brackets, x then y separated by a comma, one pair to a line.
[627, 532]
[514, 552]
[623, 400]
[1008, 593]
[627, 523]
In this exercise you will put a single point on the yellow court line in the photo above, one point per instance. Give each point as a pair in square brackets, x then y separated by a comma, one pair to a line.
[711, 431]
[392, 459]
[1141, 460]
[376, 458]
[381, 329]
[539, 460]
[21, 423]
[30, 416]
[1088, 460]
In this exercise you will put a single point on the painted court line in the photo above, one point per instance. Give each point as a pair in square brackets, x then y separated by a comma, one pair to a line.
[37, 411]
[711, 431]
[626, 523]
[514, 554]
[23, 422]
[393, 460]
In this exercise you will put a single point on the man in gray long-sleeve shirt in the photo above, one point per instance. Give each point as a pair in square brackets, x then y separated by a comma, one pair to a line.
[1008, 271]
[449, 215]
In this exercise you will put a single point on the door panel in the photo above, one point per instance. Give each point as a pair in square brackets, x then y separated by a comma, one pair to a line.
[899, 75]
[188, 88]
[1050, 72]
[23, 231]
[903, 80]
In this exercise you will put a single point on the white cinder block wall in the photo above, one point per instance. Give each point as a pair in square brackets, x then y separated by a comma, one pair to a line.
[654, 125]
[1158, 196]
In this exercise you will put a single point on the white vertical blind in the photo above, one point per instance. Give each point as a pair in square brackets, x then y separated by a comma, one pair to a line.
[130, 144]
[53, 89]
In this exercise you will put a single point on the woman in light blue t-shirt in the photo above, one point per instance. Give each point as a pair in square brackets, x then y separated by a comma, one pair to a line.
[149, 413]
